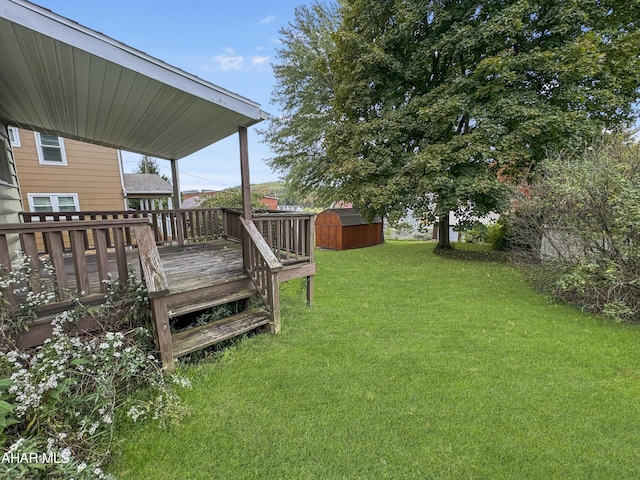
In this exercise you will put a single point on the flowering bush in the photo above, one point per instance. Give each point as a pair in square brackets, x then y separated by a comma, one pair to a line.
[60, 402]
[21, 280]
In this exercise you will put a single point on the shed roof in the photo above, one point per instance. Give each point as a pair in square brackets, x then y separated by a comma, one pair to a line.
[351, 216]
[146, 183]
[59, 77]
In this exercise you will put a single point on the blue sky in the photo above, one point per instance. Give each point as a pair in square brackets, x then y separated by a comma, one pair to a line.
[230, 44]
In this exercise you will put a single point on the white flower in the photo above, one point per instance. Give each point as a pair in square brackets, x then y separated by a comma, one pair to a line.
[181, 381]
[16, 445]
[94, 426]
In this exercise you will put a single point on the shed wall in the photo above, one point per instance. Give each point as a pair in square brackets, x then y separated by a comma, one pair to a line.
[358, 236]
[331, 234]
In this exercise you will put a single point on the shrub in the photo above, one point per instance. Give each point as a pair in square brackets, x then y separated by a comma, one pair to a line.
[476, 234]
[497, 235]
[60, 402]
[578, 225]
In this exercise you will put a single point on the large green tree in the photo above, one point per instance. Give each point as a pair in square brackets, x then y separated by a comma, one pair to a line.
[304, 91]
[436, 103]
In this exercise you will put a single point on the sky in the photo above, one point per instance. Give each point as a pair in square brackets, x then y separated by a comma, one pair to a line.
[228, 43]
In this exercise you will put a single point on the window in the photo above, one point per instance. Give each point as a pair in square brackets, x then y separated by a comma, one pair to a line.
[53, 202]
[14, 136]
[50, 149]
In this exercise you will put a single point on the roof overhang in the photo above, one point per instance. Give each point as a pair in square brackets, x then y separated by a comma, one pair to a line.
[59, 77]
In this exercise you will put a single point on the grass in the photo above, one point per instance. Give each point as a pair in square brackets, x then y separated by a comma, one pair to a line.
[410, 365]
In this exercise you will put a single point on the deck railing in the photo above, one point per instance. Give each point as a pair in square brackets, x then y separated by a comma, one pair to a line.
[289, 235]
[169, 226]
[55, 236]
[263, 266]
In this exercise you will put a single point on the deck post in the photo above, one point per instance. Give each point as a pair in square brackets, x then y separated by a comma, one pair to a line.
[177, 201]
[162, 332]
[273, 295]
[311, 243]
[244, 172]
[246, 190]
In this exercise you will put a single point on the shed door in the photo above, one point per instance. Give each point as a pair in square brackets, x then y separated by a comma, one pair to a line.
[327, 236]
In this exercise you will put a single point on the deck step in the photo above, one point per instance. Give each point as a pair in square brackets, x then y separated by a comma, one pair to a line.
[212, 301]
[192, 339]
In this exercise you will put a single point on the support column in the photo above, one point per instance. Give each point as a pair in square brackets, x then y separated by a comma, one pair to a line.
[244, 172]
[177, 201]
[246, 191]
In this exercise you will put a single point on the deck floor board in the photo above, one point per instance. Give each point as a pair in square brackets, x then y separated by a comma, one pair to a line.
[186, 267]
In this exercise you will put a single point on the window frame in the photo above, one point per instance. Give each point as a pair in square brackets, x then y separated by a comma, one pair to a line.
[42, 159]
[53, 197]
[14, 136]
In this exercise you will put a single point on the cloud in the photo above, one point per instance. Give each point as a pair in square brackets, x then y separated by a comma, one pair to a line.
[259, 60]
[229, 60]
[267, 20]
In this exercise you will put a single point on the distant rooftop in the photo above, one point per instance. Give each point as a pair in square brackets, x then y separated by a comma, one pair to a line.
[146, 183]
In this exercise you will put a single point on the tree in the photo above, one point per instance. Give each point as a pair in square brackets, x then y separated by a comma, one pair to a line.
[149, 165]
[436, 103]
[229, 198]
[304, 90]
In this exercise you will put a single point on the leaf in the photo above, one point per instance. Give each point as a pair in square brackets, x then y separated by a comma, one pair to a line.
[5, 407]
[54, 394]
[5, 383]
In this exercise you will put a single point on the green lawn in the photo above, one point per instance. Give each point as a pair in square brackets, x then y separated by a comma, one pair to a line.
[409, 365]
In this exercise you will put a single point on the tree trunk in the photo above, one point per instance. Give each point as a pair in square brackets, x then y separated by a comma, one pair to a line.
[443, 232]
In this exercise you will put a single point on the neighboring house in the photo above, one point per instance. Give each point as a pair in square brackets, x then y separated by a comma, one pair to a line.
[270, 202]
[191, 198]
[289, 208]
[149, 191]
[58, 174]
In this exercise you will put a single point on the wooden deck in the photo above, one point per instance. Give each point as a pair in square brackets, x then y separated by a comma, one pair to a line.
[191, 267]
[225, 259]
[186, 267]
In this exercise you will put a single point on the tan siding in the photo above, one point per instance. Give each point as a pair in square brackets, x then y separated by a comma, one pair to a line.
[92, 171]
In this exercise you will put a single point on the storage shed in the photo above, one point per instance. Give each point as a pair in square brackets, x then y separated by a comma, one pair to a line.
[346, 228]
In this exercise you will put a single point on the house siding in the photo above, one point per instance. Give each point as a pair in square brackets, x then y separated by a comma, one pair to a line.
[92, 171]
[10, 204]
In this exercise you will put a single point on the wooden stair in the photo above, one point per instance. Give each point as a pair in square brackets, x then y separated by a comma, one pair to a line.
[212, 299]
[190, 340]
[221, 274]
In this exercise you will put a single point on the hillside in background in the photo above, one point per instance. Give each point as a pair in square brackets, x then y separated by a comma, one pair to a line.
[279, 191]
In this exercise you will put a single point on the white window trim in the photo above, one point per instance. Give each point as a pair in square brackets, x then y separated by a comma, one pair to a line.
[15, 140]
[54, 200]
[41, 155]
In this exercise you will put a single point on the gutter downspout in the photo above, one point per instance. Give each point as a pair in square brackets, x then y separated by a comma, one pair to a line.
[124, 190]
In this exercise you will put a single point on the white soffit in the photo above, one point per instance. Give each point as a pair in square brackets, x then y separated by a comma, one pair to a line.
[59, 77]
